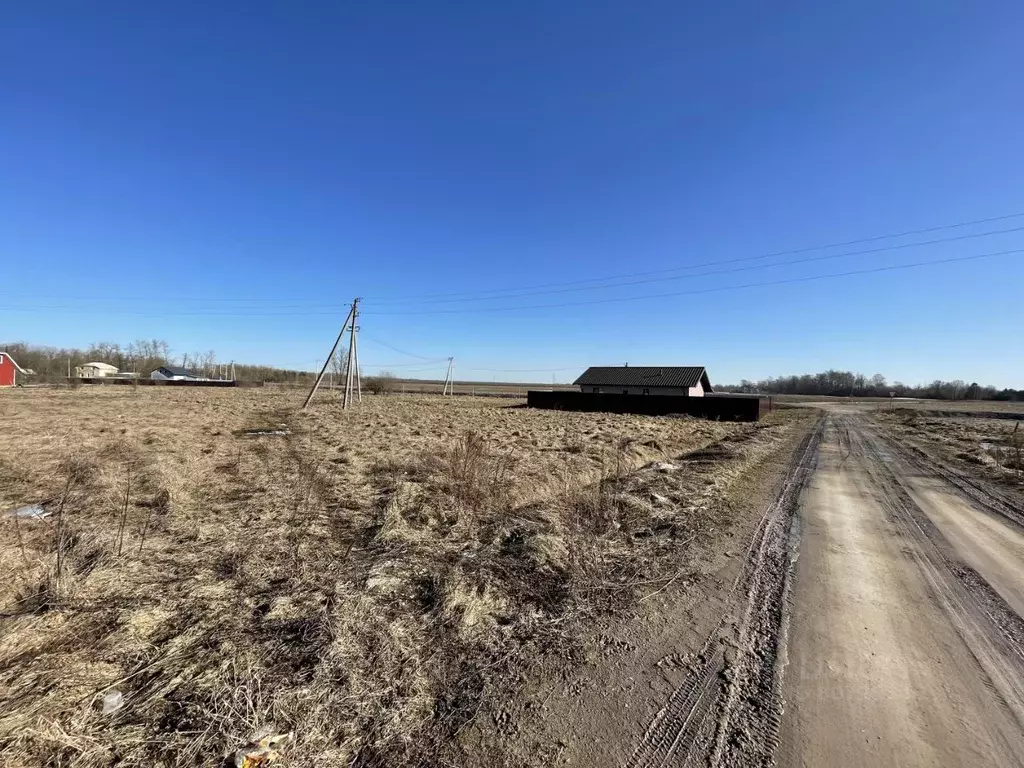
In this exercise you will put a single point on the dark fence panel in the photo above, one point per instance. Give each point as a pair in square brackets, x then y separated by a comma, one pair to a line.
[719, 407]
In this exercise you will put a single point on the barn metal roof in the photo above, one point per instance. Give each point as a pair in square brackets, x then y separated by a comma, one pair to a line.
[644, 376]
[175, 370]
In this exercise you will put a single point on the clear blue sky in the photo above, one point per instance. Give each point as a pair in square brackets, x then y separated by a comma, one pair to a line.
[227, 176]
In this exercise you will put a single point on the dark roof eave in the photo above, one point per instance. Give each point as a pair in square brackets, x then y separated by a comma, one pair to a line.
[644, 376]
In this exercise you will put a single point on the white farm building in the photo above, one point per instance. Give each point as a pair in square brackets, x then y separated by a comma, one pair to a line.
[96, 370]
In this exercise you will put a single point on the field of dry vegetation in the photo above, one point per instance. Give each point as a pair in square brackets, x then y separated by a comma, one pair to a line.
[992, 448]
[371, 580]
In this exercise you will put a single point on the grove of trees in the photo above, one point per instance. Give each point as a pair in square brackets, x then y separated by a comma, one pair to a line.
[51, 364]
[848, 384]
[143, 356]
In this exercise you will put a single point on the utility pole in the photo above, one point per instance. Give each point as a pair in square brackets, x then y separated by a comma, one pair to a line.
[352, 378]
[449, 379]
[355, 357]
[330, 357]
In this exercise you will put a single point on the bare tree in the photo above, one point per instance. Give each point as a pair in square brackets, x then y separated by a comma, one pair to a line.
[338, 366]
[207, 361]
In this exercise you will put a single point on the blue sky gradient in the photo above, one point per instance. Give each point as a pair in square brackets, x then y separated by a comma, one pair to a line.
[227, 176]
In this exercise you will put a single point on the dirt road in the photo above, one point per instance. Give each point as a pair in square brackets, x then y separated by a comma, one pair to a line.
[876, 622]
[905, 642]
[874, 618]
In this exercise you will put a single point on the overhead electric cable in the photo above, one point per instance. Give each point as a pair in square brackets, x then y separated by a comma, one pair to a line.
[667, 270]
[748, 268]
[719, 289]
[489, 293]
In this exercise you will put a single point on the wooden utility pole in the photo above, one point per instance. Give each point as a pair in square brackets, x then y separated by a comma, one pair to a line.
[355, 357]
[449, 378]
[330, 357]
[352, 377]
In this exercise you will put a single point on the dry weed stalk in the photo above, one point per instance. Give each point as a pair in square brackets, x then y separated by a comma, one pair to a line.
[124, 508]
[77, 473]
[21, 540]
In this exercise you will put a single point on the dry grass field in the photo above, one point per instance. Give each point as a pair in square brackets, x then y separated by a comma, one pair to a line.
[992, 448]
[906, 403]
[371, 580]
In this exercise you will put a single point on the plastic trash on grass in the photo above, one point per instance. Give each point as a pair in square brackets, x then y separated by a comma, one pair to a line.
[29, 512]
[262, 752]
[112, 702]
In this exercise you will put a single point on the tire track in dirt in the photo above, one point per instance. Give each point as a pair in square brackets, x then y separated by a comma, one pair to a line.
[702, 720]
[992, 631]
[904, 653]
[985, 496]
[728, 710]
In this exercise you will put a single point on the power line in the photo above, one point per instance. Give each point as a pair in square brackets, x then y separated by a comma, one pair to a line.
[791, 252]
[403, 352]
[311, 313]
[444, 361]
[719, 289]
[790, 262]
[488, 293]
[308, 313]
[412, 366]
[524, 370]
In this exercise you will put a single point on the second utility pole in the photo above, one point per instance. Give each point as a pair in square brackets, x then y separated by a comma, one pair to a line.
[449, 379]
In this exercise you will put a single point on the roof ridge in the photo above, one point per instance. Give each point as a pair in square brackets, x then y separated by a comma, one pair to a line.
[681, 376]
[15, 362]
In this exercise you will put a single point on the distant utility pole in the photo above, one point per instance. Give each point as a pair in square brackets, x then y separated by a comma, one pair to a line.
[349, 320]
[449, 378]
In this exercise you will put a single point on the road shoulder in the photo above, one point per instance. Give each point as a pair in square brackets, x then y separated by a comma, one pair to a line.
[596, 713]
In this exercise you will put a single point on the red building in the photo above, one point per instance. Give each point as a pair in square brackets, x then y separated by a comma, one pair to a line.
[9, 370]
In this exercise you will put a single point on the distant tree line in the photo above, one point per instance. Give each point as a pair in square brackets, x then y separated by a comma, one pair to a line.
[848, 384]
[52, 364]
